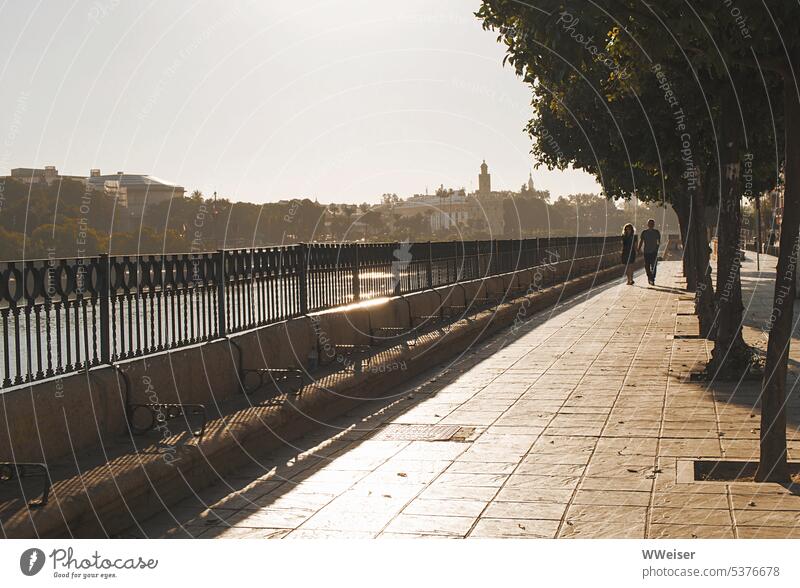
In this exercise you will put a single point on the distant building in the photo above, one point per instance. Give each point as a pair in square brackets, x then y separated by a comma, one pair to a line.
[132, 191]
[135, 191]
[451, 208]
[46, 175]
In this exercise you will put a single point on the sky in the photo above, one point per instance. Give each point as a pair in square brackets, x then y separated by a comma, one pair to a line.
[339, 100]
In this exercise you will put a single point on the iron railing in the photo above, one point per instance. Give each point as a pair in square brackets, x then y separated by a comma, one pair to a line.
[65, 315]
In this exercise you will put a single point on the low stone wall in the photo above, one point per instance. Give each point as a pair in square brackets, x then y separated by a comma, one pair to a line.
[51, 420]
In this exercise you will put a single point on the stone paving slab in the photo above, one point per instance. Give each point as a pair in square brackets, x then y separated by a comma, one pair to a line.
[582, 416]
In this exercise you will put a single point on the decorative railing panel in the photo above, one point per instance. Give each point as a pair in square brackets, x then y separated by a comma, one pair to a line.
[65, 315]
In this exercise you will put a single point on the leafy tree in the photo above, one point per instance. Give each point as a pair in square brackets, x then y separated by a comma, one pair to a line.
[585, 117]
[705, 65]
[11, 244]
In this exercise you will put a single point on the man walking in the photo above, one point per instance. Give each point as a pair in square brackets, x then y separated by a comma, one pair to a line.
[650, 240]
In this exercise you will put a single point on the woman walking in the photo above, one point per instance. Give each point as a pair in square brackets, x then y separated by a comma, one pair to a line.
[629, 244]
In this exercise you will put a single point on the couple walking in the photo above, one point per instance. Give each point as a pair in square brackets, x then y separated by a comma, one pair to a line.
[631, 244]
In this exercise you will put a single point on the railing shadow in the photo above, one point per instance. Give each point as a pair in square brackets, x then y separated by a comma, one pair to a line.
[239, 496]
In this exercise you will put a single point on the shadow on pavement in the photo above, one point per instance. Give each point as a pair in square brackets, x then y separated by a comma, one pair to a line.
[265, 482]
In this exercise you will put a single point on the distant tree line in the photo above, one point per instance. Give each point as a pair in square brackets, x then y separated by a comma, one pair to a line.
[63, 219]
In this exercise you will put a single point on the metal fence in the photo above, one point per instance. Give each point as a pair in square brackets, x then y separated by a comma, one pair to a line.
[64, 315]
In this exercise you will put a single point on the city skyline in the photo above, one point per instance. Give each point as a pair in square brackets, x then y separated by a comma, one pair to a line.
[49, 173]
[338, 104]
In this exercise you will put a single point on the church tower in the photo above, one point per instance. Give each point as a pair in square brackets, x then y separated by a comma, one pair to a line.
[530, 182]
[484, 180]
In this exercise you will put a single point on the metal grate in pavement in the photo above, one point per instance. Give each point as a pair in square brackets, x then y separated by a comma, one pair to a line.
[420, 433]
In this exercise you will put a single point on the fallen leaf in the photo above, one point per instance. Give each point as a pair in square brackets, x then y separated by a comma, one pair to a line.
[402, 474]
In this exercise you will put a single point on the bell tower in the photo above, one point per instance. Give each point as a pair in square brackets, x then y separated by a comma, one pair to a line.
[484, 180]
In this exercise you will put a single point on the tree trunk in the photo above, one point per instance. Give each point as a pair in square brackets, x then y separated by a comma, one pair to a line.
[772, 463]
[731, 356]
[681, 211]
[699, 256]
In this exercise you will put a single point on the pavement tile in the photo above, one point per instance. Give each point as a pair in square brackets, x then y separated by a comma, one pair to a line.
[449, 492]
[272, 518]
[682, 499]
[660, 531]
[328, 534]
[698, 516]
[765, 518]
[514, 528]
[602, 530]
[609, 514]
[534, 495]
[330, 519]
[544, 469]
[491, 480]
[611, 498]
[745, 532]
[529, 481]
[462, 508]
[525, 510]
[431, 525]
[477, 467]
[244, 533]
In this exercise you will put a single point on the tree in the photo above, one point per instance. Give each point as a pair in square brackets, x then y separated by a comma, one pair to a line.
[704, 63]
[11, 244]
[720, 46]
[588, 115]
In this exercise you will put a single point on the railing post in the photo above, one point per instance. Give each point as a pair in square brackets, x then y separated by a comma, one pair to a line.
[104, 294]
[221, 283]
[356, 281]
[303, 277]
[456, 267]
[429, 267]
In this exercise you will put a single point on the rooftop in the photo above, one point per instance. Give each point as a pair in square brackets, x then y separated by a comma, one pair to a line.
[132, 180]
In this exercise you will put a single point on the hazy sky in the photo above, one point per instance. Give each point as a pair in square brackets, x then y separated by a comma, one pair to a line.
[341, 100]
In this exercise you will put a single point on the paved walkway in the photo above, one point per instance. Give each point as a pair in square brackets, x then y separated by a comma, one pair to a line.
[577, 425]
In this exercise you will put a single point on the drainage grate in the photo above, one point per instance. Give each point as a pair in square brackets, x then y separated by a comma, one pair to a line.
[422, 433]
